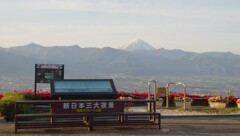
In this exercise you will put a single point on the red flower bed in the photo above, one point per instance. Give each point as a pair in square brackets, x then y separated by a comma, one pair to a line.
[134, 94]
[41, 94]
[1, 95]
[45, 95]
[197, 99]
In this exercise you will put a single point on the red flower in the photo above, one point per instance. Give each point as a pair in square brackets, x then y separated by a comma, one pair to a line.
[1, 95]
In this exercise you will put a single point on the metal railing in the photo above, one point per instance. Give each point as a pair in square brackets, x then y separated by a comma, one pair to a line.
[167, 93]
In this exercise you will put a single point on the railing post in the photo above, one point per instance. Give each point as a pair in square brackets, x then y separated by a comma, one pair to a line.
[15, 117]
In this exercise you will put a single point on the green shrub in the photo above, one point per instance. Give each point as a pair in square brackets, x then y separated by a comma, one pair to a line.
[7, 105]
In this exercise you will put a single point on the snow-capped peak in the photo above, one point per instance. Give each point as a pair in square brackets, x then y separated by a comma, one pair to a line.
[138, 44]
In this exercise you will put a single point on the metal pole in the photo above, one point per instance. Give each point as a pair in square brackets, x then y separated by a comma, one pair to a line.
[149, 91]
[229, 93]
[35, 83]
[149, 97]
[185, 90]
[155, 90]
[149, 87]
[35, 91]
[167, 94]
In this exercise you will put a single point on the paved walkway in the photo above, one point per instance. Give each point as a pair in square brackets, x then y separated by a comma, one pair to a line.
[173, 112]
[174, 122]
[202, 126]
[170, 126]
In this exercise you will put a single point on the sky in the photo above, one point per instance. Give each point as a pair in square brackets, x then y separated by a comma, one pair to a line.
[190, 25]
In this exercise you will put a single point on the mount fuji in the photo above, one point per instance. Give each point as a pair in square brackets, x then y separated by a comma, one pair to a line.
[137, 44]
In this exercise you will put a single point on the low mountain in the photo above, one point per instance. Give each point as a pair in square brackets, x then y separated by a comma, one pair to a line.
[15, 65]
[216, 63]
[25, 50]
[81, 62]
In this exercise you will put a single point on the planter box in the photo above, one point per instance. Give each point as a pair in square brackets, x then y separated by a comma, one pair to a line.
[217, 105]
[238, 104]
[181, 104]
[159, 104]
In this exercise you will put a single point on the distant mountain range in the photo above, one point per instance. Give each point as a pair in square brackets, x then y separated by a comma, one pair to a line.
[136, 59]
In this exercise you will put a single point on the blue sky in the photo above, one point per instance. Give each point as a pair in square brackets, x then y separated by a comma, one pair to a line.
[190, 25]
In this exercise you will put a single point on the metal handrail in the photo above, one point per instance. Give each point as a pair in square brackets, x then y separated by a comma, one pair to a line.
[149, 91]
[167, 93]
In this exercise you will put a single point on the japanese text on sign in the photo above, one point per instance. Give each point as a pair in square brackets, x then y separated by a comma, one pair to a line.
[88, 105]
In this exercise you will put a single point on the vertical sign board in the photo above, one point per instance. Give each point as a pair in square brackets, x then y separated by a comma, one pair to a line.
[44, 73]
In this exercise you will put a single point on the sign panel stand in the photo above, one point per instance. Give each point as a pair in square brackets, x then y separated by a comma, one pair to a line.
[44, 73]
